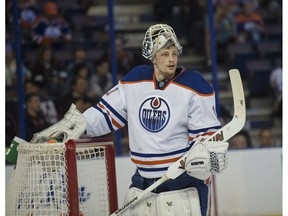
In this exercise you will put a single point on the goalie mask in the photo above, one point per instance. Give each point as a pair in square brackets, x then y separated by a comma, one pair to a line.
[159, 36]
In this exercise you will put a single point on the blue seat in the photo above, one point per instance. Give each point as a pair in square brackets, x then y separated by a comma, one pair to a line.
[261, 124]
[259, 85]
[270, 49]
[239, 54]
[240, 62]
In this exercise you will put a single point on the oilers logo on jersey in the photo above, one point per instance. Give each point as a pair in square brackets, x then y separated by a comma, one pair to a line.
[154, 114]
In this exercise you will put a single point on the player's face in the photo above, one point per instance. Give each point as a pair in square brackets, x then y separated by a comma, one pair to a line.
[165, 63]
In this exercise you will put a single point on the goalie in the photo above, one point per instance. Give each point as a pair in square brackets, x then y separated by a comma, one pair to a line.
[166, 108]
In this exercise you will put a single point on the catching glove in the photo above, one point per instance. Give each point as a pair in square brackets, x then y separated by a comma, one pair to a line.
[72, 126]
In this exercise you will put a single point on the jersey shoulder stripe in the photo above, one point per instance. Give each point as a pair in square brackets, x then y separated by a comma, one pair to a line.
[194, 81]
[113, 111]
[106, 118]
[113, 121]
[138, 74]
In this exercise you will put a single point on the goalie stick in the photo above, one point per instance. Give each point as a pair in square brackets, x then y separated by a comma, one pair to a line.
[223, 134]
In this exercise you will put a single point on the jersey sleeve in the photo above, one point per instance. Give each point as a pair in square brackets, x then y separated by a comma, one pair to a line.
[109, 114]
[202, 117]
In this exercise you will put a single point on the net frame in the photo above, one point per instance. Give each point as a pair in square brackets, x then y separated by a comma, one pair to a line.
[109, 149]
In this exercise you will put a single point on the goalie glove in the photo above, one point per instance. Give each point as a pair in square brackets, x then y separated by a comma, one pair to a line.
[206, 158]
[72, 126]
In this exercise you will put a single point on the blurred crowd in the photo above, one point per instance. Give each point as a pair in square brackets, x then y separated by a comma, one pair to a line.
[50, 84]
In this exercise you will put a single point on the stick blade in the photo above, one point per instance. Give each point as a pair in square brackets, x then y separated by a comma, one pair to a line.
[238, 96]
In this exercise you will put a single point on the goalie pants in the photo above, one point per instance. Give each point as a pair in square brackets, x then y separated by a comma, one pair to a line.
[183, 181]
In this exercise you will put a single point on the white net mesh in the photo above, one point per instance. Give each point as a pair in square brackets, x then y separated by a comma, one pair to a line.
[92, 181]
[38, 185]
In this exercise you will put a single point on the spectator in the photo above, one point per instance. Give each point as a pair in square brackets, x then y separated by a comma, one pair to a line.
[224, 115]
[102, 81]
[81, 70]
[11, 69]
[45, 70]
[163, 11]
[82, 104]
[79, 90]
[274, 11]
[250, 24]
[11, 128]
[28, 13]
[79, 57]
[51, 28]
[265, 137]
[276, 87]
[47, 105]
[88, 102]
[79, 103]
[125, 60]
[192, 16]
[35, 120]
[241, 140]
[225, 31]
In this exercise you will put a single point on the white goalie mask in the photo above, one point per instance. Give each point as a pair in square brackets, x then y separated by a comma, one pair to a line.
[158, 36]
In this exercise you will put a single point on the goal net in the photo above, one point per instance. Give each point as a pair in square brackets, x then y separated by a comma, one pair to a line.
[73, 178]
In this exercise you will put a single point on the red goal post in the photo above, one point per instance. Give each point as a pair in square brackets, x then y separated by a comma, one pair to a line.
[73, 178]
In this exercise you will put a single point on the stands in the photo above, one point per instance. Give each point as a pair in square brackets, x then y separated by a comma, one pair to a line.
[89, 27]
